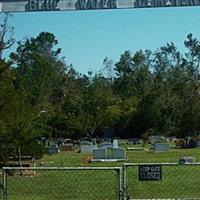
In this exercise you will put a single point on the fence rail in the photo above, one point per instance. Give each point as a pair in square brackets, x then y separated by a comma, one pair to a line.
[71, 183]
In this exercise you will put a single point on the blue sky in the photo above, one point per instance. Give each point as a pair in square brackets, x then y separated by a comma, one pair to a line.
[87, 37]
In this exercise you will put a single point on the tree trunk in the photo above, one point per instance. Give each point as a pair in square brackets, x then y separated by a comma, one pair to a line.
[19, 156]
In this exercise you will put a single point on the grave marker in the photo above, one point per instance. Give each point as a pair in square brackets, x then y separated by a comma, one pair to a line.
[88, 148]
[100, 153]
[115, 143]
[161, 147]
[118, 153]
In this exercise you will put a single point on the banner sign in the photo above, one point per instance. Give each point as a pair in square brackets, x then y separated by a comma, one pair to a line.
[59, 5]
[150, 172]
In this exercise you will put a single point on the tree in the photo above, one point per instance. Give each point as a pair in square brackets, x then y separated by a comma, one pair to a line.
[97, 107]
[7, 99]
[37, 81]
[39, 71]
[6, 34]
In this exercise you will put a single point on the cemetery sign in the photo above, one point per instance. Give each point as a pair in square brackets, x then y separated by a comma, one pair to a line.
[150, 172]
[59, 5]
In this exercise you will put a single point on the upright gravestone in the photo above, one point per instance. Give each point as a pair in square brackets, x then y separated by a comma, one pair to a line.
[85, 143]
[115, 143]
[118, 153]
[88, 148]
[106, 145]
[198, 143]
[53, 149]
[159, 147]
[100, 153]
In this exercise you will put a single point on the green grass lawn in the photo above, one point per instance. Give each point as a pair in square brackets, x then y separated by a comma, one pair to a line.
[177, 181]
[148, 156]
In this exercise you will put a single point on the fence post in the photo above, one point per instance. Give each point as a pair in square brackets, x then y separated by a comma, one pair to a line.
[125, 168]
[120, 184]
[4, 185]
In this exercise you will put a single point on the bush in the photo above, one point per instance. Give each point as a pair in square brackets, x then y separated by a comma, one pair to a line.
[33, 150]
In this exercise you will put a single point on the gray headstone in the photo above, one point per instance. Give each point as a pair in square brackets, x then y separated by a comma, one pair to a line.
[198, 143]
[53, 150]
[134, 141]
[100, 153]
[161, 147]
[115, 143]
[156, 138]
[106, 145]
[88, 149]
[66, 147]
[187, 160]
[94, 141]
[85, 143]
[118, 153]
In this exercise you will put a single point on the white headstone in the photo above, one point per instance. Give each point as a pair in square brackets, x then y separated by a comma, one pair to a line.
[187, 160]
[115, 143]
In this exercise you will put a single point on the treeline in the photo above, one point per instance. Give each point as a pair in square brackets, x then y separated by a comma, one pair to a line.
[142, 94]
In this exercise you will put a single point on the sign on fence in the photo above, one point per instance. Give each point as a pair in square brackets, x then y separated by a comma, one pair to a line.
[150, 172]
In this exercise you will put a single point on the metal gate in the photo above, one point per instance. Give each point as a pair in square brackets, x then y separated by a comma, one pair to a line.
[60, 183]
[161, 181]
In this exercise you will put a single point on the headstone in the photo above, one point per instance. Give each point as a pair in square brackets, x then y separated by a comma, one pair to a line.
[134, 141]
[180, 143]
[88, 148]
[172, 138]
[100, 153]
[115, 143]
[67, 141]
[198, 143]
[60, 141]
[187, 160]
[106, 145]
[192, 143]
[156, 138]
[94, 141]
[53, 150]
[85, 143]
[66, 147]
[135, 148]
[159, 147]
[118, 153]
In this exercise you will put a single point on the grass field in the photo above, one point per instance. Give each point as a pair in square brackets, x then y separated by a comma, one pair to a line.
[177, 181]
[148, 156]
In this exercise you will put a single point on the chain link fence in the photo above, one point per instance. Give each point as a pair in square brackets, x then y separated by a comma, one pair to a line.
[140, 181]
[161, 181]
[81, 183]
